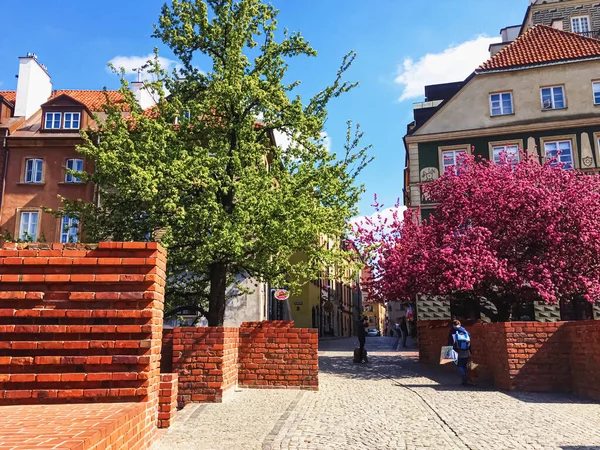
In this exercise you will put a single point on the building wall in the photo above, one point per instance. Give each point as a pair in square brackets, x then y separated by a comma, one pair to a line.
[18, 195]
[301, 305]
[247, 307]
[548, 13]
[470, 108]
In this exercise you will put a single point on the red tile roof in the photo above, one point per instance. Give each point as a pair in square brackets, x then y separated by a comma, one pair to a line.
[11, 96]
[93, 100]
[542, 44]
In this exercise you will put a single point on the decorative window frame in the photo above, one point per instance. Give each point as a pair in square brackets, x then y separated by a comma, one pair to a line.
[582, 16]
[596, 137]
[64, 119]
[446, 148]
[64, 170]
[19, 211]
[59, 229]
[24, 170]
[552, 86]
[491, 145]
[563, 137]
[512, 102]
[595, 81]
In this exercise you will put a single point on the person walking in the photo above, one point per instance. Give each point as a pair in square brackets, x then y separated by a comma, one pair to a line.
[460, 340]
[361, 333]
[404, 330]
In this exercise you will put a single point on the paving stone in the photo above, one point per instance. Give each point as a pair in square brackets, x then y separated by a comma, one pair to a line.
[390, 403]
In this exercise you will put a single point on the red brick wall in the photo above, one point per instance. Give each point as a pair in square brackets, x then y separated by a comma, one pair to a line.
[529, 356]
[80, 323]
[166, 358]
[274, 354]
[204, 358]
[167, 399]
[585, 358]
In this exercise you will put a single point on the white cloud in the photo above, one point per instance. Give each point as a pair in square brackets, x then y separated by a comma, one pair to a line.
[132, 64]
[380, 217]
[453, 64]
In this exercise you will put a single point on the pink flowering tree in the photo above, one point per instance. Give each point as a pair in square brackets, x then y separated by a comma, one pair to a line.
[506, 233]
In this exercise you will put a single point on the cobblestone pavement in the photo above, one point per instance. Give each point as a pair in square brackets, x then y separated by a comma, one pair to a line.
[390, 403]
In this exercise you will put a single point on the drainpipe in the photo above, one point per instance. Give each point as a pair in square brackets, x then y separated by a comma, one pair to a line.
[5, 145]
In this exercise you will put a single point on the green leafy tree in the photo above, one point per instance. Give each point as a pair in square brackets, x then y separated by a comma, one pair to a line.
[200, 170]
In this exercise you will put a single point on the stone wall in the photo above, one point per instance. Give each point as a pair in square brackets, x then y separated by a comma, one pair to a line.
[528, 356]
[277, 355]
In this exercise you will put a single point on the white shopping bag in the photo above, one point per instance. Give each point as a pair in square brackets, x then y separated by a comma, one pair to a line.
[448, 353]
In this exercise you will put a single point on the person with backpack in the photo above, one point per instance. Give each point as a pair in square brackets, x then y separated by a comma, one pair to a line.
[460, 340]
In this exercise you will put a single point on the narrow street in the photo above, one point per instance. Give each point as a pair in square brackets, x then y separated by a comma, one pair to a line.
[390, 403]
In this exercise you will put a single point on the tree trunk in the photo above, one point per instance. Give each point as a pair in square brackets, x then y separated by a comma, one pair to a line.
[216, 300]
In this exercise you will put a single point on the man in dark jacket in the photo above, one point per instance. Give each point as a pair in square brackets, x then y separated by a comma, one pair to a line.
[404, 329]
[361, 332]
[463, 355]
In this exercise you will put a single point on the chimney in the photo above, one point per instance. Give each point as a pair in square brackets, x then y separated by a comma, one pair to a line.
[143, 95]
[33, 86]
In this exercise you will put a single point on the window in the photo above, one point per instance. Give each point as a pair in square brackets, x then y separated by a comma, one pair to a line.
[580, 24]
[501, 104]
[69, 229]
[451, 159]
[33, 170]
[28, 226]
[553, 97]
[510, 153]
[71, 121]
[561, 151]
[596, 89]
[76, 165]
[53, 121]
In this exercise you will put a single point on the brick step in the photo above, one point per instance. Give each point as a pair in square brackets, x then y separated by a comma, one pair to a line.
[75, 360]
[79, 313]
[70, 377]
[78, 329]
[59, 344]
[34, 392]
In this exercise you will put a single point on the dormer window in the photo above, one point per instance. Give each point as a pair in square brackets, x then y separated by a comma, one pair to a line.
[64, 121]
[71, 121]
[53, 121]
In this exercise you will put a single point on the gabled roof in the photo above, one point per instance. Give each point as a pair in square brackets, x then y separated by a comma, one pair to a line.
[10, 96]
[542, 45]
[92, 100]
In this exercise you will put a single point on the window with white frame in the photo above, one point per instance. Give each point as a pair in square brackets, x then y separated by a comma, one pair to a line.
[451, 159]
[28, 226]
[561, 152]
[501, 104]
[69, 229]
[76, 165]
[71, 121]
[33, 170]
[580, 24]
[596, 90]
[553, 97]
[53, 120]
[506, 154]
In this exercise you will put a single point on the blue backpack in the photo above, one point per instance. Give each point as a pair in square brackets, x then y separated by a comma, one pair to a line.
[462, 339]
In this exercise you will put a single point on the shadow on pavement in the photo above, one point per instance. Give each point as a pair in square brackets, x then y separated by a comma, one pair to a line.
[406, 372]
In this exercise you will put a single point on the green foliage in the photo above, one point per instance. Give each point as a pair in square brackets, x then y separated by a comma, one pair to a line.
[200, 170]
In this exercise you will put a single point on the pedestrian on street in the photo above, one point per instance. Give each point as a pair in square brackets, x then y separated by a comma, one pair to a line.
[460, 340]
[404, 329]
[361, 333]
[397, 329]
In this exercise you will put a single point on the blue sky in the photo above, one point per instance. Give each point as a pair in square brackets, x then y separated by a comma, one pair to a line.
[392, 37]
